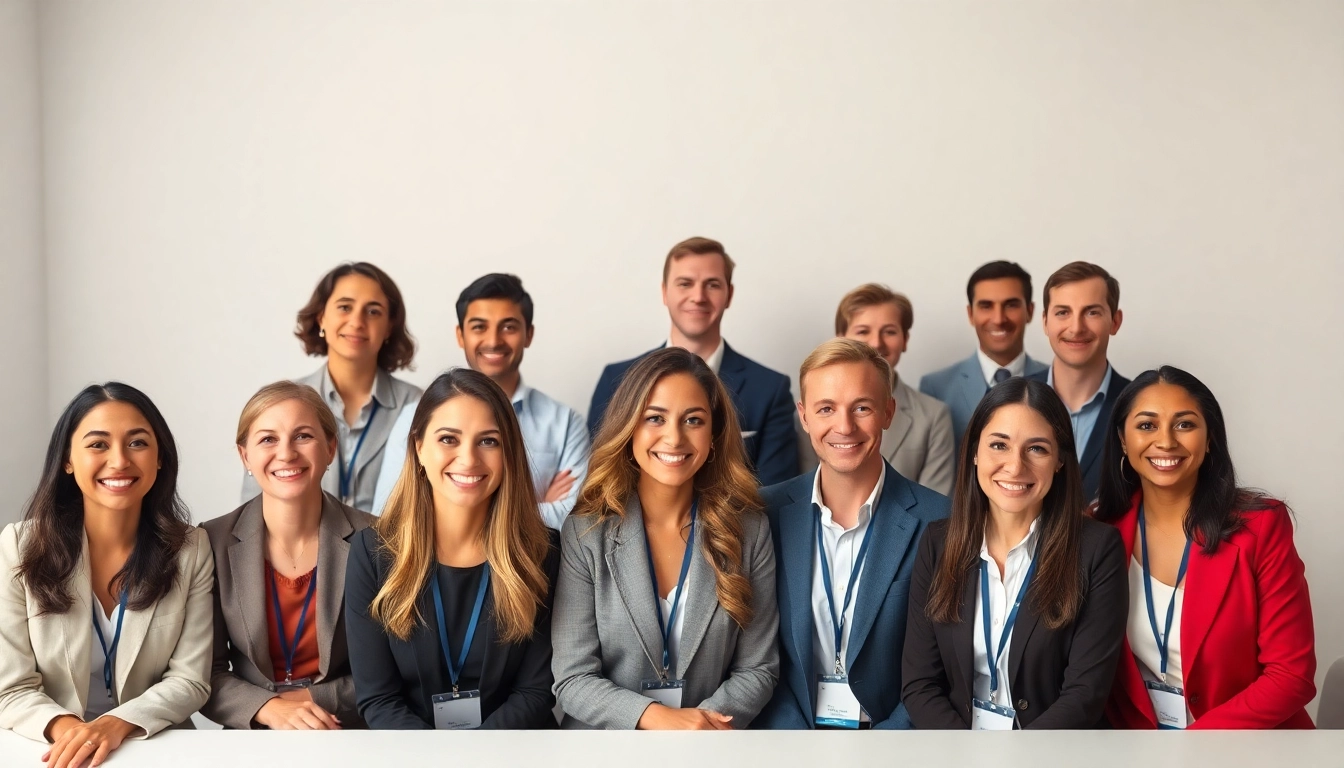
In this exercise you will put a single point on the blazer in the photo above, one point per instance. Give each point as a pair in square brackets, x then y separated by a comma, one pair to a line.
[395, 679]
[606, 632]
[962, 385]
[877, 634]
[1248, 646]
[242, 679]
[764, 405]
[162, 674]
[919, 442]
[1060, 678]
[1089, 462]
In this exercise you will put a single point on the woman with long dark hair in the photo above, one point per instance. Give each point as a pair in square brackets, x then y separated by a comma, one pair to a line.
[1220, 630]
[1017, 600]
[105, 595]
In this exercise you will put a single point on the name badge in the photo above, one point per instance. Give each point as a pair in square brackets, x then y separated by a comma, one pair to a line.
[836, 705]
[991, 717]
[1168, 704]
[665, 692]
[460, 711]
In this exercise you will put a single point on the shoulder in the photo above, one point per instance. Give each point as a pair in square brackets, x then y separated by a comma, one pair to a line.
[313, 379]
[1035, 366]
[935, 536]
[1097, 537]
[358, 518]
[782, 494]
[219, 528]
[542, 400]
[930, 505]
[587, 531]
[617, 369]
[753, 523]
[940, 378]
[1118, 383]
[9, 543]
[406, 393]
[754, 370]
[196, 550]
[1040, 375]
[914, 400]
[1268, 518]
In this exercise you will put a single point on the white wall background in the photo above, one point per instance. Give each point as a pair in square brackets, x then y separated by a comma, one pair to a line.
[205, 162]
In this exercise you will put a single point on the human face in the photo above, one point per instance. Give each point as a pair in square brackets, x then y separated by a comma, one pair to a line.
[462, 452]
[674, 437]
[1000, 314]
[696, 293]
[844, 409]
[286, 451]
[879, 326]
[1079, 323]
[114, 457]
[1016, 460]
[493, 335]
[355, 321]
[1165, 437]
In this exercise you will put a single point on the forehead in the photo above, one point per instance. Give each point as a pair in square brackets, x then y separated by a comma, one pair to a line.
[1018, 421]
[886, 313]
[1164, 398]
[677, 391]
[113, 416]
[463, 412]
[698, 266]
[494, 309]
[999, 289]
[843, 383]
[358, 287]
[1080, 293]
[290, 411]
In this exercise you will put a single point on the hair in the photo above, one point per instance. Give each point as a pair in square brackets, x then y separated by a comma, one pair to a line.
[1077, 271]
[871, 295]
[699, 246]
[1217, 507]
[396, 353]
[837, 351]
[495, 285]
[725, 483]
[279, 392]
[516, 540]
[1056, 589]
[997, 270]
[53, 542]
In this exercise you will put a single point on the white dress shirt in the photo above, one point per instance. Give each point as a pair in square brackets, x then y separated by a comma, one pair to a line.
[99, 702]
[556, 439]
[988, 367]
[1002, 595]
[665, 604]
[1140, 632]
[715, 358]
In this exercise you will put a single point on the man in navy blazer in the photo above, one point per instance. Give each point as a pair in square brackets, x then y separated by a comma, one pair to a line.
[854, 518]
[697, 288]
[1082, 313]
[999, 306]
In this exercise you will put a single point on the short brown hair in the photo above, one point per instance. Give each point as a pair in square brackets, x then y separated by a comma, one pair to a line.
[399, 350]
[279, 392]
[871, 295]
[1078, 271]
[836, 351]
[699, 246]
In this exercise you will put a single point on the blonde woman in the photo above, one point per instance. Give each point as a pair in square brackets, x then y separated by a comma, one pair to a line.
[449, 594]
[665, 614]
[280, 657]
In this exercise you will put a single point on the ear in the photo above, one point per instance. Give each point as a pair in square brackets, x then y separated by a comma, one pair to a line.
[1031, 310]
[1116, 319]
[242, 455]
[461, 341]
[802, 416]
[888, 412]
[970, 314]
[729, 302]
[527, 343]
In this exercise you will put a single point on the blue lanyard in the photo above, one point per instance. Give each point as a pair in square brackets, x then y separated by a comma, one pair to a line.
[290, 647]
[995, 655]
[1163, 638]
[838, 622]
[109, 654]
[348, 475]
[455, 670]
[666, 628]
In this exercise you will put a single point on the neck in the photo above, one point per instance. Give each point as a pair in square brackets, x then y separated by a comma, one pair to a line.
[845, 493]
[352, 379]
[1075, 386]
[665, 505]
[509, 382]
[703, 346]
[111, 530]
[1166, 507]
[1003, 531]
[1004, 358]
[292, 521]
[459, 533]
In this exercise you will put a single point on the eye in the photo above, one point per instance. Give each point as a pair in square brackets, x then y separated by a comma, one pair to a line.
[862, 409]
[1039, 450]
[303, 436]
[489, 442]
[1061, 312]
[265, 439]
[694, 421]
[656, 418]
[825, 410]
[1186, 424]
[448, 439]
[139, 442]
[375, 311]
[97, 445]
[343, 307]
[1145, 426]
[998, 445]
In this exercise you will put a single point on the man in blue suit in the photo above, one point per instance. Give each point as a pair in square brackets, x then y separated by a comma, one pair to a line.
[1082, 313]
[697, 288]
[845, 543]
[999, 307]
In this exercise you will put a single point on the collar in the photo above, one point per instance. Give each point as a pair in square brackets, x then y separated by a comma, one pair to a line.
[520, 394]
[1028, 543]
[382, 390]
[715, 359]
[1099, 395]
[1017, 367]
[865, 511]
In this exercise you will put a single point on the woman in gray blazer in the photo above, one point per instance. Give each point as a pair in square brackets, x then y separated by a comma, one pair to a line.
[280, 656]
[665, 613]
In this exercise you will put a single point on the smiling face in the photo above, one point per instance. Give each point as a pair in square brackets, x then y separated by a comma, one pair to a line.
[1016, 460]
[1000, 313]
[462, 453]
[674, 437]
[845, 408]
[1166, 437]
[1079, 323]
[879, 326]
[355, 322]
[286, 451]
[114, 457]
[696, 293]
[493, 335]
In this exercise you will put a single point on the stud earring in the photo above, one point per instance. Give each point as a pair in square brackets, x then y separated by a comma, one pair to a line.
[249, 473]
[69, 470]
[322, 333]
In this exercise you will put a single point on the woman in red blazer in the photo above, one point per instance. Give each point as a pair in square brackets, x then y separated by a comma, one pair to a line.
[1220, 632]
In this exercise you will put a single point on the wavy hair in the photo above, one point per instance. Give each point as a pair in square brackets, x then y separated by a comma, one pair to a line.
[395, 354]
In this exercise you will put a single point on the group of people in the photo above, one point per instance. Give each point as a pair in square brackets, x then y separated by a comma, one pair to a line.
[1014, 545]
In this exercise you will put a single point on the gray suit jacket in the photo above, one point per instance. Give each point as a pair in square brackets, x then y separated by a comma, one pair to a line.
[919, 442]
[242, 677]
[605, 634]
[961, 386]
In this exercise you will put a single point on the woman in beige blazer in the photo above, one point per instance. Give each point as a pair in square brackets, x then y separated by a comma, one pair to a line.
[290, 543]
[104, 587]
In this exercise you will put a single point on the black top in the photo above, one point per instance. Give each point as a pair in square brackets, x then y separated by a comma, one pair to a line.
[459, 587]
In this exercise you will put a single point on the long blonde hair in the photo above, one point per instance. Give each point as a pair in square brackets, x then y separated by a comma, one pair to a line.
[516, 540]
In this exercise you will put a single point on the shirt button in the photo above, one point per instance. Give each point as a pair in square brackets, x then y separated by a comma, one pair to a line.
[1021, 705]
[1194, 699]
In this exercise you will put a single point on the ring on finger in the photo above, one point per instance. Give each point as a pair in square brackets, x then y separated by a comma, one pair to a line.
[88, 743]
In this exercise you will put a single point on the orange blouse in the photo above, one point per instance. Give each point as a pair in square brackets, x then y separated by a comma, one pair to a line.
[307, 661]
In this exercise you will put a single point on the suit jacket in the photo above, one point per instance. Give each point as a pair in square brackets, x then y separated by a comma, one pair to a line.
[961, 386]
[606, 626]
[764, 407]
[1059, 678]
[162, 670]
[919, 442]
[242, 679]
[1089, 463]
[395, 679]
[877, 635]
[1248, 647]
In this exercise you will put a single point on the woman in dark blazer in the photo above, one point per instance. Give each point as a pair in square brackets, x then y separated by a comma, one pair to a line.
[1017, 601]
[1240, 642]
[448, 597]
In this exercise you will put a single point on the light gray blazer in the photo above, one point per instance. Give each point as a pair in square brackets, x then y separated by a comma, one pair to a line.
[605, 634]
[919, 442]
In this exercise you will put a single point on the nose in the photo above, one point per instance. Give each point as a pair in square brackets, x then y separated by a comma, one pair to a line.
[1077, 327]
[845, 422]
[1166, 438]
[1000, 315]
[118, 458]
[286, 450]
[698, 294]
[493, 337]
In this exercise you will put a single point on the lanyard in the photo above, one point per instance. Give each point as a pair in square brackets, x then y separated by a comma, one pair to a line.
[290, 647]
[109, 654]
[666, 628]
[348, 475]
[990, 652]
[455, 670]
[1163, 637]
[838, 622]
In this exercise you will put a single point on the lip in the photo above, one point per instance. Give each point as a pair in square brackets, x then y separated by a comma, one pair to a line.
[1017, 489]
[494, 356]
[354, 339]
[670, 459]
[297, 474]
[1168, 463]
[846, 447]
[464, 481]
[103, 482]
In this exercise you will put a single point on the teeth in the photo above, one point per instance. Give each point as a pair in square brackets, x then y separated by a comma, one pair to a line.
[1165, 463]
[287, 472]
[466, 479]
[122, 483]
[1012, 486]
[843, 446]
[671, 458]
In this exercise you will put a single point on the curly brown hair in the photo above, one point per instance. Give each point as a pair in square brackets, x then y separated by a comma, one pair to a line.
[399, 350]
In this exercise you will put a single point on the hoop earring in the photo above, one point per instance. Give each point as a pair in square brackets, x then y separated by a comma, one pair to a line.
[1122, 464]
[710, 460]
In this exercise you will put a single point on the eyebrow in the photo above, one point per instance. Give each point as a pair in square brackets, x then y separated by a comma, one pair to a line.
[456, 431]
[504, 319]
[692, 409]
[101, 433]
[371, 303]
[1178, 414]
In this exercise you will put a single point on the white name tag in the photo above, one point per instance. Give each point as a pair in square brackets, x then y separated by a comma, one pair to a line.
[836, 705]
[1168, 704]
[665, 692]
[991, 717]
[459, 711]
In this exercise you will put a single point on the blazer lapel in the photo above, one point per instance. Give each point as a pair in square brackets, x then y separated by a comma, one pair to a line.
[380, 425]
[701, 602]
[77, 628]
[628, 561]
[247, 567]
[1026, 624]
[333, 548]
[1207, 577]
[731, 371]
[963, 640]
[893, 530]
[900, 427]
[133, 631]
[797, 534]
[973, 386]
